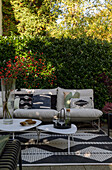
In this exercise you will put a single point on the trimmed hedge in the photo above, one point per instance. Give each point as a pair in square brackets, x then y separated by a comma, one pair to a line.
[78, 62]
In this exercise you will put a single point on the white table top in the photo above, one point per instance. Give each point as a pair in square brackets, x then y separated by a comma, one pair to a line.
[16, 126]
[50, 128]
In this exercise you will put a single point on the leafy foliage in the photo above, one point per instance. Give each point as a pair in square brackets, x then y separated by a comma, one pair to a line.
[29, 17]
[79, 18]
[86, 18]
[107, 108]
[77, 63]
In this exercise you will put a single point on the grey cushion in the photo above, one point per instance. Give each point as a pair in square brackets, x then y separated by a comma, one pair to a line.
[39, 91]
[1, 112]
[46, 91]
[42, 114]
[85, 114]
[0, 101]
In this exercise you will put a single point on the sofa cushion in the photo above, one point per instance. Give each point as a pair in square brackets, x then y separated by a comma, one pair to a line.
[84, 102]
[83, 93]
[46, 91]
[42, 114]
[25, 100]
[84, 114]
[39, 91]
[41, 101]
[16, 103]
[54, 102]
[1, 112]
[68, 96]
[0, 101]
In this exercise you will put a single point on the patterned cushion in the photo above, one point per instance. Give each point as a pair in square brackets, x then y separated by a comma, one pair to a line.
[25, 100]
[83, 93]
[41, 101]
[84, 102]
[54, 102]
[68, 96]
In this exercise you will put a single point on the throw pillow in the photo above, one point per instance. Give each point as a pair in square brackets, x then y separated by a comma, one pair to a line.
[41, 101]
[84, 102]
[68, 96]
[16, 103]
[25, 100]
[54, 102]
[0, 101]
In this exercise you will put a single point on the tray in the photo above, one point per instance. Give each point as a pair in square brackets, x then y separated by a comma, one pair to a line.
[58, 126]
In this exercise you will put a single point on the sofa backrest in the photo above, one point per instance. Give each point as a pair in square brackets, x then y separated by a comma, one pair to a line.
[83, 93]
[38, 91]
[60, 94]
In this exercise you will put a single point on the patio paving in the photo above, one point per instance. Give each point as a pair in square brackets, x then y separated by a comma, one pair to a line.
[74, 167]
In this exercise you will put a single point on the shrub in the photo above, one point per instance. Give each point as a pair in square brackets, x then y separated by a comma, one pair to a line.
[77, 62]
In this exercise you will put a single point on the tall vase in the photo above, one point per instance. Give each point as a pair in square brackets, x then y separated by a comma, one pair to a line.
[8, 94]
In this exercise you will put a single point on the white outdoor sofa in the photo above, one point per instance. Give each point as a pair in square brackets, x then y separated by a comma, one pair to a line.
[47, 112]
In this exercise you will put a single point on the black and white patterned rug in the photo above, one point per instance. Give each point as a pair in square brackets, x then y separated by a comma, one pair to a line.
[86, 148]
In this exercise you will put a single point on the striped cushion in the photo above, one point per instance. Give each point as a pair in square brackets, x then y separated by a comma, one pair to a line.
[41, 101]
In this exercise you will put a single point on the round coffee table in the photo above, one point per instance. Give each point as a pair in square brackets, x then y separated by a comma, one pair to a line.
[50, 128]
[16, 126]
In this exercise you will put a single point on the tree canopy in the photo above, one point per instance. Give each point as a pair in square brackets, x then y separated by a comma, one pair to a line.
[86, 18]
[91, 18]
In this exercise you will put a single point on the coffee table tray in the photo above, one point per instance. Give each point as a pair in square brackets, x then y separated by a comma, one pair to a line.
[58, 126]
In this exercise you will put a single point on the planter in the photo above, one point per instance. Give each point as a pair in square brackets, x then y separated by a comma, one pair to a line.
[8, 94]
[59, 125]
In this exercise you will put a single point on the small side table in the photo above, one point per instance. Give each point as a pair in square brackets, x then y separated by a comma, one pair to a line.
[16, 127]
[109, 122]
[50, 128]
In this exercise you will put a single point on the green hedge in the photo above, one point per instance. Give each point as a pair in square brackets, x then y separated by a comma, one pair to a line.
[77, 62]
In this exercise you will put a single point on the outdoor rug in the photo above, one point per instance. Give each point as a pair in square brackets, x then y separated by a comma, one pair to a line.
[86, 148]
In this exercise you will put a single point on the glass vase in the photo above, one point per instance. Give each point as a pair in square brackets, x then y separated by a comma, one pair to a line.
[8, 94]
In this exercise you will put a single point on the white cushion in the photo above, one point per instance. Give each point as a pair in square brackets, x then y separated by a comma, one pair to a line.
[85, 114]
[83, 93]
[0, 101]
[35, 113]
[16, 103]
